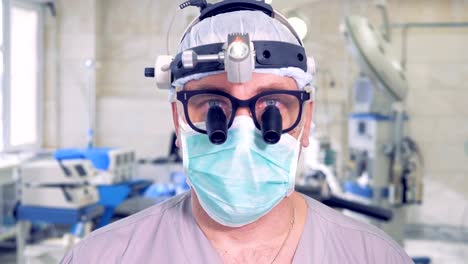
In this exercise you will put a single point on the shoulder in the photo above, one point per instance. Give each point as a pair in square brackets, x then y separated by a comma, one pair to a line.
[112, 241]
[343, 237]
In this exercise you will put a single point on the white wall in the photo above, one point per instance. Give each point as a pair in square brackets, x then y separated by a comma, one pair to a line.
[123, 37]
[70, 40]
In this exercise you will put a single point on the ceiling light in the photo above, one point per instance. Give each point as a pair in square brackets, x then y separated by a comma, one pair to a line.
[299, 25]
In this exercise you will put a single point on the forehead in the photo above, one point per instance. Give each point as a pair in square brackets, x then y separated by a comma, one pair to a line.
[259, 82]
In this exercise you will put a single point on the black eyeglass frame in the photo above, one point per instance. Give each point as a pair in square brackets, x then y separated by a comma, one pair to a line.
[184, 96]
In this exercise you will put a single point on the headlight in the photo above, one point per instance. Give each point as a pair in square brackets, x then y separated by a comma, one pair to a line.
[238, 50]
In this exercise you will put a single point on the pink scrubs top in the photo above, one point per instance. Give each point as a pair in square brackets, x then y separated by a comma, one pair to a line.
[168, 233]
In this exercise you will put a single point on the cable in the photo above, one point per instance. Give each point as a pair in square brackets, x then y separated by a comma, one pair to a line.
[326, 83]
[463, 217]
[202, 4]
[169, 30]
[198, 3]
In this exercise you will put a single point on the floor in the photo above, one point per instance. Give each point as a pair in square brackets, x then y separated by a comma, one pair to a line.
[440, 252]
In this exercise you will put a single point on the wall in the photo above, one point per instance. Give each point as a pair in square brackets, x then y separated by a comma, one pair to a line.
[132, 112]
[125, 36]
[70, 40]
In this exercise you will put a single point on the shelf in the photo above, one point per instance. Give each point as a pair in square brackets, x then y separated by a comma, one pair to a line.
[7, 233]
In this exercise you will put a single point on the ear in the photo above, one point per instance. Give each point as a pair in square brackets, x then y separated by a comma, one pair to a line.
[309, 107]
[175, 120]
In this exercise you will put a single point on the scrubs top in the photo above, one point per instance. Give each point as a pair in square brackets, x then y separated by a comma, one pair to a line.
[168, 233]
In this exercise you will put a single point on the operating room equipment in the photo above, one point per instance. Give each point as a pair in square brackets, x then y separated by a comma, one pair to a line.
[115, 170]
[382, 156]
[73, 187]
[376, 126]
[90, 65]
[113, 165]
[339, 202]
[58, 184]
[51, 250]
[111, 196]
[8, 196]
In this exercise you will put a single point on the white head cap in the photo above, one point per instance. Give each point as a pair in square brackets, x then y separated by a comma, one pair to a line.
[258, 25]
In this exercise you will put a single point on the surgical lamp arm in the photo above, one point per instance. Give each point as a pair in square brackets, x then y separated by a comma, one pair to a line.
[381, 4]
[338, 202]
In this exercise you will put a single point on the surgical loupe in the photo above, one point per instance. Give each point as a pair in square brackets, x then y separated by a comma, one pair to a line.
[272, 124]
[216, 124]
[212, 112]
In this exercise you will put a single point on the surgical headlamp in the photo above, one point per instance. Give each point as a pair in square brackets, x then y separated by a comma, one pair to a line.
[239, 56]
[236, 56]
[238, 50]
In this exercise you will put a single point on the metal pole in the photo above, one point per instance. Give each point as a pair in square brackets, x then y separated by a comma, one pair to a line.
[406, 26]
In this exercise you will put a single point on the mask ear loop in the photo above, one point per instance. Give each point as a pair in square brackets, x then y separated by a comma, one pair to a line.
[295, 162]
[184, 131]
[169, 28]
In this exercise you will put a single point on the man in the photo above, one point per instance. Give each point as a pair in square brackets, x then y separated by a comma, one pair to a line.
[240, 132]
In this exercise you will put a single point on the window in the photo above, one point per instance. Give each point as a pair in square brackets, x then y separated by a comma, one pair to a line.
[2, 79]
[21, 73]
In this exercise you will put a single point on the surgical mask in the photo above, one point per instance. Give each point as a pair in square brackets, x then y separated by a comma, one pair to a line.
[242, 179]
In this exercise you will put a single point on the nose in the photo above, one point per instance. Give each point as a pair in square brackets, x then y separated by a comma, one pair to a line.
[243, 111]
[242, 92]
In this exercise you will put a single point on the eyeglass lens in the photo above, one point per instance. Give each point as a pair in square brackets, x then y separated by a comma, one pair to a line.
[198, 106]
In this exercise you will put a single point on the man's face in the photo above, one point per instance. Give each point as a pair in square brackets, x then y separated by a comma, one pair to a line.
[261, 82]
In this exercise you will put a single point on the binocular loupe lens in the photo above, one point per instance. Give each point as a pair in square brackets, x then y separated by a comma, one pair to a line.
[272, 125]
[216, 125]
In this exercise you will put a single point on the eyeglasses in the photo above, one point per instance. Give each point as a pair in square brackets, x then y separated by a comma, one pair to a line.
[197, 103]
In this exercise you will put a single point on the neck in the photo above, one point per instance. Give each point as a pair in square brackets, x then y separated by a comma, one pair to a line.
[271, 226]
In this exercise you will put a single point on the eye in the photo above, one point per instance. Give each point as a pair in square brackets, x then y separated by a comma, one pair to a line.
[287, 104]
[282, 101]
[205, 101]
[198, 106]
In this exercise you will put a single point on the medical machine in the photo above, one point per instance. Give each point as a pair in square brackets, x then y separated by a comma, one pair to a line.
[113, 165]
[58, 184]
[385, 165]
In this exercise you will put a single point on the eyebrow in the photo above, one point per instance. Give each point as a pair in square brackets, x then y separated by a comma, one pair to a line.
[208, 87]
[259, 89]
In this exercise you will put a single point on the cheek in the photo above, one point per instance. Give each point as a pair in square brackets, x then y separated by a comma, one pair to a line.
[296, 132]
